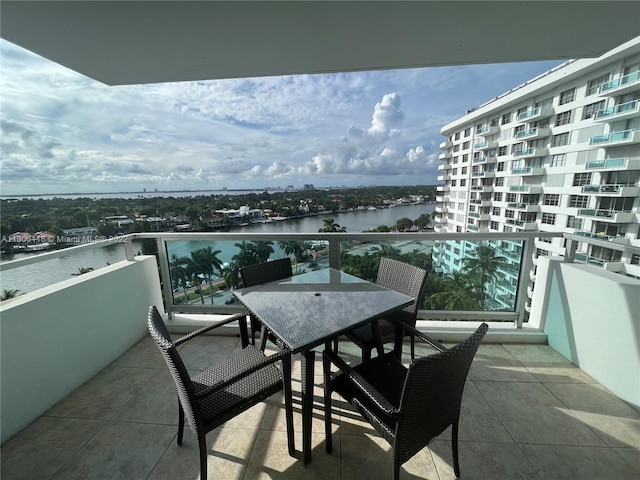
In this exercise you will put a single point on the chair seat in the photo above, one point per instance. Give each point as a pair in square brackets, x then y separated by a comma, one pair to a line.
[246, 391]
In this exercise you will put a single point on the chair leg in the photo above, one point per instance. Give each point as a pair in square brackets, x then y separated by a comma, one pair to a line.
[180, 422]
[413, 347]
[396, 469]
[202, 444]
[454, 449]
[366, 353]
[288, 404]
[326, 368]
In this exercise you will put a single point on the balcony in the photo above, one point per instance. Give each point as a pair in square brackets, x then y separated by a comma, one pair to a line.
[616, 190]
[522, 225]
[619, 112]
[485, 130]
[446, 144]
[536, 114]
[621, 85]
[608, 164]
[532, 134]
[485, 145]
[442, 188]
[530, 152]
[445, 166]
[483, 159]
[483, 174]
[444, 155]
[525, 188]
[527, 171]
[441, 198]
[616, 138]
[441, 209]
[115, 397]
[524, 207]
[482, 202]
[619, 239]
[608, 215]
[482, 188]
[442, 178]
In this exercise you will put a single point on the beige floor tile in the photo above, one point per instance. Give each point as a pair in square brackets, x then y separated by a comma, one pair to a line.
[104, 395]
[144, 354]
[482, 461]
[494, 363]
[43, 447]
[610, 417]
[119, 451]
[585, 463]
[275, 419]
[532, 414]
[229, 451]
[547, 365]
[270, 459]
[631, 456]
[156, 402]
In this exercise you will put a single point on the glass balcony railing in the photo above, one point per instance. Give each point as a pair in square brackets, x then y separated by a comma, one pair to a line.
[618, 82]
[617, 110]
[528, 114]
[607, 163]
[524, 151]
[611, 137]
[527, 133]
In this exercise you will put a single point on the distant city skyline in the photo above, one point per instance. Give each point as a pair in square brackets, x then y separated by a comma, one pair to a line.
[63, 132]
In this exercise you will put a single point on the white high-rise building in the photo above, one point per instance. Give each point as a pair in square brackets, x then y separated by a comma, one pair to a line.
[559, 153]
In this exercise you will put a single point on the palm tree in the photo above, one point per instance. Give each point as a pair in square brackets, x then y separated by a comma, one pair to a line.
[246, 254]
[485, 266]
[459, 293]
[292, 248]
[388, 250]
[262, 250]
[83, 270]
[8, 293]
[208, 263]
[178, 272]
[231, 275]
[329, 226]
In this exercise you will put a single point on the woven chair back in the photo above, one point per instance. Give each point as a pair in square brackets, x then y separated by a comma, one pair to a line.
[160, 335]
[266, 272]
[404, 278]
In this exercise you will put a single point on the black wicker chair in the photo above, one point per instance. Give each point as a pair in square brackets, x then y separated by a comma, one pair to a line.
[407, 406]
[401, 277]
[264, 273]
[223, 391]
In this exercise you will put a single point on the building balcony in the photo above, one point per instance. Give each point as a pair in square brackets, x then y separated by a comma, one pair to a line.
[441, 198]
[446, 144]
[532, 134]
[522, 225]
[526, 188]
[440, 228]
[444, 155]
[524, 207]
[485, 145]
[622, 163]
[622, 85]
[624, 137]
[483, 159]
[441, 209]
[484, 174]
[530, 152]
[444, 167]
[482, 188]
[536, 114]
[619, 239]
[616, 190]
[481, 202]
[608, 215]
[438, 218]
[619, 112]
[442, 188]
[528, 171]
[480, 216]
[485, 130]
[443, 178]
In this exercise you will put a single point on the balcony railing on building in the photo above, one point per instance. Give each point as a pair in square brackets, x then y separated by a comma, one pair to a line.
[619, 111]
[623, 137]
[620, 85]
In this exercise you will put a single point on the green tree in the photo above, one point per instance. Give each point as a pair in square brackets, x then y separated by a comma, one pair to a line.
[178, 273]
[262, 250]
[292, 248]
[329, 226]
[484, 267]
[458, 293]
[423, 221]
[8, 293]
[208, 264]
[404, 224]
[231, 275]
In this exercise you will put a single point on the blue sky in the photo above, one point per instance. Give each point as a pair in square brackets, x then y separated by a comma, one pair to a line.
[63, 132]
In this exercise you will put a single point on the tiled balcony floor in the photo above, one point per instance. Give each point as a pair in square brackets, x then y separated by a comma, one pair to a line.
[527, 414]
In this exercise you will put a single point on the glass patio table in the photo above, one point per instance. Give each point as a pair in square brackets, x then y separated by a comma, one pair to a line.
[307, 310]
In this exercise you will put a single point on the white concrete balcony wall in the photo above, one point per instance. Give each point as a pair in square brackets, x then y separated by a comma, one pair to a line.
[592, 317]
[56, 338]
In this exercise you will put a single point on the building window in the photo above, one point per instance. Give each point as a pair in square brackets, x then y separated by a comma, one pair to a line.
[464, 170]
[512, 197]
[506, 118]
[500, 182]
[547, 102]
[573, 222]
[456, 148]
[578, 201]
[516, 147]
[559, 140]
[567, 96]
[552, 199]
[455, 160]
[494, 226]
[522, 110]
[454, 183]
[495, 211]
[517, 130]
[463, 182]
[501, 166]
[497, 197]
[549, 218]
[457, 136]
[509, 213]
[467, 132]
[563, 118]
[594, 85]
[465, 158]
[503, 151]
[559, 160]
[465, 146]
[590, 110]
[494, 122]
[580, 179]
[454, 171]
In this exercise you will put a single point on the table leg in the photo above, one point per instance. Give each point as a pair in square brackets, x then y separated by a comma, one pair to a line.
[308, 360]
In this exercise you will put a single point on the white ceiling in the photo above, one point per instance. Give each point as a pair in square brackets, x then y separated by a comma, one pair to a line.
[137, 42]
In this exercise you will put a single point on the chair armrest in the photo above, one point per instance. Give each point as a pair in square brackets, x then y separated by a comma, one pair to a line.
[425, 338]
[362, 385]
[283, 355]
[240, 316]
